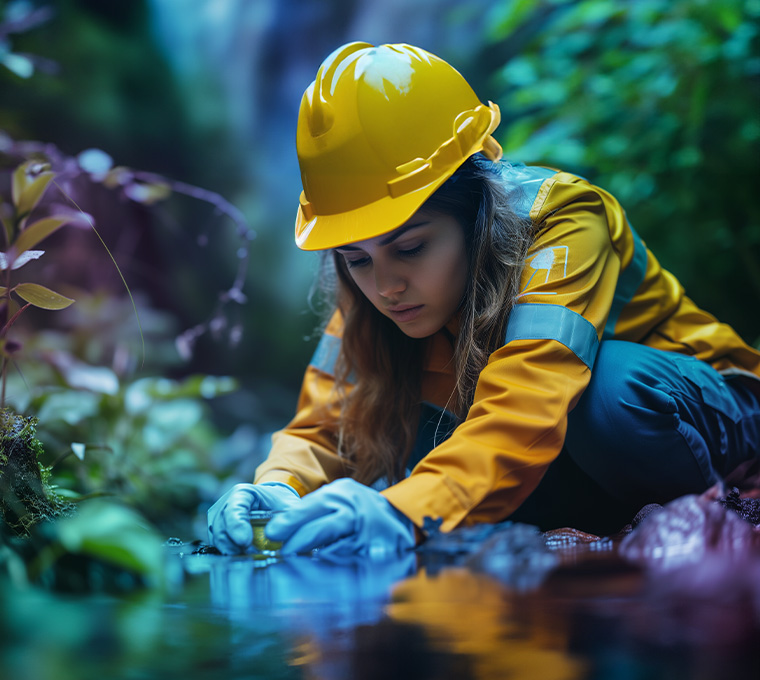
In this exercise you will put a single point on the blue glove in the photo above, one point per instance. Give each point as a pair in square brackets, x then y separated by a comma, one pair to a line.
[229, 526]
[343, 518]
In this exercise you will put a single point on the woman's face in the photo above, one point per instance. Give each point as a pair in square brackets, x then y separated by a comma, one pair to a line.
[415, 275]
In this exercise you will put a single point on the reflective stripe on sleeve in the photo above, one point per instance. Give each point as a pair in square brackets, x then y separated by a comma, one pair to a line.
[628, 283]
[535, 321]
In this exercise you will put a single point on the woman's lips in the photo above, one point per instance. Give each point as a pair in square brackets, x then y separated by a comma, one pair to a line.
[405, 313]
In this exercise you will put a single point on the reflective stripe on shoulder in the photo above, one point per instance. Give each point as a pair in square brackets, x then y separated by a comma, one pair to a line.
[326, 355]
[628, 283]
[524, 182]
[535, 321]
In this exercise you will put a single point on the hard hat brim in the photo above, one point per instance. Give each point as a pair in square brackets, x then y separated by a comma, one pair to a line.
[323, 232]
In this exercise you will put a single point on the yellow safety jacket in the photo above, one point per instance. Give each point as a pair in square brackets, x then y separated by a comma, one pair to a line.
[588, 277]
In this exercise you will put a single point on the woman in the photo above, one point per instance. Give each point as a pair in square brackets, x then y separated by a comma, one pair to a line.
[503, 344]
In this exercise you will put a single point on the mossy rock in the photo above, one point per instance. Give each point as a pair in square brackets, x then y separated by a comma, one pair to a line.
[25, 498]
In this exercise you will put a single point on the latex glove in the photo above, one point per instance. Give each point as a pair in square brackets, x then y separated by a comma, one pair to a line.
[229, 526]
[343, 518]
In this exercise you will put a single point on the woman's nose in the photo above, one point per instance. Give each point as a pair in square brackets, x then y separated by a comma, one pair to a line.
[389, 281]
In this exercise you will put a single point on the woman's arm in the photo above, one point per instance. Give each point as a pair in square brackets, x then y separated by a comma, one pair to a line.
[304, 454]
[516, 425]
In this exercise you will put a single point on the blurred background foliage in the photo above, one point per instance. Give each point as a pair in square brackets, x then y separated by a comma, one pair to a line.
[656, 100]
[659, 102]
[186, 113]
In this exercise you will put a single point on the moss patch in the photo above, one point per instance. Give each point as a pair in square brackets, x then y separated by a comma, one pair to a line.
[25, 497]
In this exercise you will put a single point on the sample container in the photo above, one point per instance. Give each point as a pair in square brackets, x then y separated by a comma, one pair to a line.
[259, 519]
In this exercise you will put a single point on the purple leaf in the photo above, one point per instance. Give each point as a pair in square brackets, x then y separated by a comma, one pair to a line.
[21, 260]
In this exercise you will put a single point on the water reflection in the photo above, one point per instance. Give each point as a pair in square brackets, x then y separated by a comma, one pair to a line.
[321, 606]
[472, 616]
[421, 616]
[307, 590]
[490, 602]
[497, 602]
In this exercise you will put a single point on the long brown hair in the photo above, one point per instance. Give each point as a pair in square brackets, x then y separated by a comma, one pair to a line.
[383, 366]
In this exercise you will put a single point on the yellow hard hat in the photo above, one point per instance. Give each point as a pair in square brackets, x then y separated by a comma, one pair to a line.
[379, 130]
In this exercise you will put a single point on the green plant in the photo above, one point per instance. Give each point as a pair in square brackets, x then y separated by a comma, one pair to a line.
[143, 443]
[75, 378]
[105, 546]
[657, 102]
[149, 442]
[21, 235]
[91, 177]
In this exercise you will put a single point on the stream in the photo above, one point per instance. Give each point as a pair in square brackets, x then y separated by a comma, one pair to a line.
[678, 597]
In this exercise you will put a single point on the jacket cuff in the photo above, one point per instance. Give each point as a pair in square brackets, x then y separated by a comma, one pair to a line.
[285, 478]
[428, 495]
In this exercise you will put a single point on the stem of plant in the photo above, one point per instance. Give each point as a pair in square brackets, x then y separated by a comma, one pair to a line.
[12, 320]
[7, 320]
[3, 332]
[2, 396]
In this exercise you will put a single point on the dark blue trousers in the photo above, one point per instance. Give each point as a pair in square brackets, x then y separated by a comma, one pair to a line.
[650, 427]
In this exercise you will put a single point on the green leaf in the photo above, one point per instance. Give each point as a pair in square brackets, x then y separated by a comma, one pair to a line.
[37, 231]
[42, 297]
[82, 376]
[29, 183]
[504, 18]
[19, 64]
[68, 406]
[67, 493]
[6, 226]
[206, 386]
[116, 535]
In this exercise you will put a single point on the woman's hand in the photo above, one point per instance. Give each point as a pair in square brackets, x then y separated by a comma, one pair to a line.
[229, 526]
[343, 518]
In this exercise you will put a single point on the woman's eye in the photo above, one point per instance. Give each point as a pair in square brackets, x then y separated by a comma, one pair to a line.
[411, 252]
[361, 262]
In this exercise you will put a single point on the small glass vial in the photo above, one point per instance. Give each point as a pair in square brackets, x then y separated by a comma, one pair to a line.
[259, 519]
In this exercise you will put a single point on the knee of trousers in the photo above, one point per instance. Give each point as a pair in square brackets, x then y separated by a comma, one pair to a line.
[626, 431]
[624, 397]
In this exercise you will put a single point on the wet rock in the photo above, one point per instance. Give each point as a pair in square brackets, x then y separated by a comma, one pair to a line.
[204, 549]
[638, 519]
[642, 514]
[568, 537]
[516, 555]
[747, 508]
[459, 541]
[686, 530]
